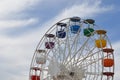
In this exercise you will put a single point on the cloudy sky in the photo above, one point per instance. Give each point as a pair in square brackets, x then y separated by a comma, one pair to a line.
[23, 23]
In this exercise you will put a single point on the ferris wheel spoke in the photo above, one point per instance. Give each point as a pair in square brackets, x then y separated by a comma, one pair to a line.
[73, 47]
[77, 51]
[58, 50]
[85, 57]
[93, 73]
[93, 62]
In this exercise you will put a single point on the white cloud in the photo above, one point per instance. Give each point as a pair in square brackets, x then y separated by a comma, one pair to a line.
[116, 47]
[4, 24]
[10, 7]
[15, 56]
[15, 52]
[85, 9]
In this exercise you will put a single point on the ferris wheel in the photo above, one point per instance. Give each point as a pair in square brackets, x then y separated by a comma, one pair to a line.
[73, 49]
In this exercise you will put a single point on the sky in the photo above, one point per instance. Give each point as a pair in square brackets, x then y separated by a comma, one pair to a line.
[24, 22]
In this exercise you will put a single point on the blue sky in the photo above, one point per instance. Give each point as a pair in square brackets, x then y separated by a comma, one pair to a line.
[23, 23]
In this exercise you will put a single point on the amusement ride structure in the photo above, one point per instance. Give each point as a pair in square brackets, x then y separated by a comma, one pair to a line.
[73, 49]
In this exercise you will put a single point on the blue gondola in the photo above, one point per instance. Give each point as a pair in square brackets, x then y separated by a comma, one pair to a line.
[75, 29]
[61, 34]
